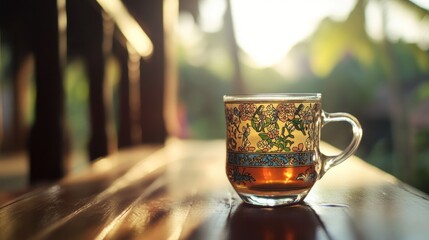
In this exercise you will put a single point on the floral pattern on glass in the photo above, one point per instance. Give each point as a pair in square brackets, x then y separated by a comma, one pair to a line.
[308, 176]
[271, 127]
[238, 177]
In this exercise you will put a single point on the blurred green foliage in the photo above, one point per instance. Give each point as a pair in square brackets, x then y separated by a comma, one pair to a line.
[202, 91]
[76, 87]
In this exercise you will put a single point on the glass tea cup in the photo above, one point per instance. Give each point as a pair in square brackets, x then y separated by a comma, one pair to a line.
[273, 155]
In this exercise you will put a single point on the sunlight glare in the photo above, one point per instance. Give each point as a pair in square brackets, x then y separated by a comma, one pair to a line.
[211, 15]
[267, 30]
[404, 24]
[401, 24]
[422, 3]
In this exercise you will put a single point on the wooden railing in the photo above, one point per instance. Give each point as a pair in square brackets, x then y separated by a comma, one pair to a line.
[55, 32]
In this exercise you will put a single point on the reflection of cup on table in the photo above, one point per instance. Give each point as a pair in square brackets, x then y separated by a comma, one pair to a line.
[294, 222]
[273, 155]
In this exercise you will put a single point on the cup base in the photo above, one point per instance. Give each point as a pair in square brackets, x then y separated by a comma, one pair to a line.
[272, 201]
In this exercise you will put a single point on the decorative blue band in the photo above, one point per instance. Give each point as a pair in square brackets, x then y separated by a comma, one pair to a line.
[270, 159]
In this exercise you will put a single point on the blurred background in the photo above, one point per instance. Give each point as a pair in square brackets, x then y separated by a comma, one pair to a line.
[369, 58]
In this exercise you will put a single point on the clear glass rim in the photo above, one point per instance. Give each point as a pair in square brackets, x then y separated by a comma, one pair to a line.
[272, 97]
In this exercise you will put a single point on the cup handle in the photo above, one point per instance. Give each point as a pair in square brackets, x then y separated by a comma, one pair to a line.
[330, 161]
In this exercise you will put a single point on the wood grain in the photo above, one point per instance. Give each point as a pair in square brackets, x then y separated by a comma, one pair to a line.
[179, 191]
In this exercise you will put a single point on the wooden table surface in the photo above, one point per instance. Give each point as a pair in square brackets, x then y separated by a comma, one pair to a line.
[180, 191]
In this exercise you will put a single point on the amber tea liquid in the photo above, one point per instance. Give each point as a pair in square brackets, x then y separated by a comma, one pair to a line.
[265, 181]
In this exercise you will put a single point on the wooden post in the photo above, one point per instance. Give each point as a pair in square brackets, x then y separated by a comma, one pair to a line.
[171, 93]
[129, 132]
[46, 137]
[149, 14]
[124, 118]
[85, 38]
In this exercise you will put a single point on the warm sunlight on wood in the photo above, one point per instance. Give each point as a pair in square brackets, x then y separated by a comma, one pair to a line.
[128, 26]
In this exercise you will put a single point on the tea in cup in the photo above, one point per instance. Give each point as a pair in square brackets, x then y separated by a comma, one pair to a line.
[272, 141]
